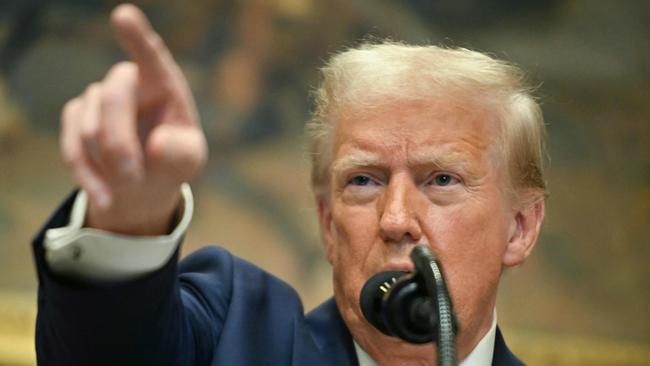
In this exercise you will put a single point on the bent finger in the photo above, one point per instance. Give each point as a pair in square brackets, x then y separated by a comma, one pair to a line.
[74, 156]
[119, 144]
[89, 129]
[70, 149]
[99, 193]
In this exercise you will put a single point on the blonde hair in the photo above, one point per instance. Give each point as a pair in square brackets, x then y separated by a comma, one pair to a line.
[372, 75]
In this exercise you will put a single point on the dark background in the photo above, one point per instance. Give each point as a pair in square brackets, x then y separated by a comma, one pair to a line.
[583, 297]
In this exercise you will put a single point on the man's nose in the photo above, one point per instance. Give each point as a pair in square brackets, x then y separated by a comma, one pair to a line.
[399, 221]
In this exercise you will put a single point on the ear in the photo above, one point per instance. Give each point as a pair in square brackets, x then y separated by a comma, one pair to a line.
[524, 230]
[325, 221]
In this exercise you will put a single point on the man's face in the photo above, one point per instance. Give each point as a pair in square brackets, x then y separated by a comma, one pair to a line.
[407, 174]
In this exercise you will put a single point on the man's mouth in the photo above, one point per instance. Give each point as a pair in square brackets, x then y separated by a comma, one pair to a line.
[397, 266]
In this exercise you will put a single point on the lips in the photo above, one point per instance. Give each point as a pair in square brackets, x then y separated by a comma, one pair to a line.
[397, 258]
[401, 266]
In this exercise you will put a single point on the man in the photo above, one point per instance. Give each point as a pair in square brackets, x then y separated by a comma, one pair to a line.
[409, 144]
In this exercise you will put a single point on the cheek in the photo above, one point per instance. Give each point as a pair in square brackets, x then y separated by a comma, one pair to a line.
[469, 241]
[354, 231]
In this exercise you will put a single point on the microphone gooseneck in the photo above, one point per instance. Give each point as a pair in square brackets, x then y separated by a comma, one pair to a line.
[415, 307]
[431, 273]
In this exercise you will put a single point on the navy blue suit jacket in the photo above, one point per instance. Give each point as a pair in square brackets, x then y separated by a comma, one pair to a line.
[212, 308]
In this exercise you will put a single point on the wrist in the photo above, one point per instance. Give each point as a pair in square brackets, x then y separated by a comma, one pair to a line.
[138, 214]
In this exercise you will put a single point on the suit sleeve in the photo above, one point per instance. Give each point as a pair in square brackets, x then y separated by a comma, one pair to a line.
[155, 319]
[77, 251]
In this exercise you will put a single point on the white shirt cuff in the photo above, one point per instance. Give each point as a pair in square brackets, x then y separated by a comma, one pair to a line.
[99, 255]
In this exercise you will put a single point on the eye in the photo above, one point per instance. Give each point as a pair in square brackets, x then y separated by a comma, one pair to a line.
[443, 180]
[359, 180]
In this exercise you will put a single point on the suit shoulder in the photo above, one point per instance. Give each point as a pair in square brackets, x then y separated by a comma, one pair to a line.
[215, 268]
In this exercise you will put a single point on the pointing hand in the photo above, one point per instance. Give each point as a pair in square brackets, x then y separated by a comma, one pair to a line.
[134, 137]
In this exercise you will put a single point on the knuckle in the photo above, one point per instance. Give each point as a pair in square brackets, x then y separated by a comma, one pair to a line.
[123, 69]
[69, 107]
[117, 90]
[92, 89]
[111, 99]
[68, 112]
[113, 149]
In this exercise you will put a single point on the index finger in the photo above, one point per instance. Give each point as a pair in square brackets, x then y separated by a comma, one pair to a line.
[145, 47]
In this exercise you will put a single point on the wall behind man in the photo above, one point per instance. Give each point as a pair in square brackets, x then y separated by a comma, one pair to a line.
[581, 299]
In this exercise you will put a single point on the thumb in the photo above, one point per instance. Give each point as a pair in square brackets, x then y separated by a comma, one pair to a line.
[176, 153]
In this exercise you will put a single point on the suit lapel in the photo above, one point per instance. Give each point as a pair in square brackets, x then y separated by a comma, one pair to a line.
[502, 355]
[331, 336]
[334, 341]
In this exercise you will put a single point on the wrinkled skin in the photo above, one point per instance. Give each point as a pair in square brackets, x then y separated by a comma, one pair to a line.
[409, 173]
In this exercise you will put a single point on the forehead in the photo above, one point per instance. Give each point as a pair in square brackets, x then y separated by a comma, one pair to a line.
[418, 132]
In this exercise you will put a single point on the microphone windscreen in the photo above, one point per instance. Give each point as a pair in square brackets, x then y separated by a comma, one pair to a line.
[372, 294]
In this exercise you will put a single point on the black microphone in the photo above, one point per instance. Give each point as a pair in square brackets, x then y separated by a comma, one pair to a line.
[398, 306]
[415, 307]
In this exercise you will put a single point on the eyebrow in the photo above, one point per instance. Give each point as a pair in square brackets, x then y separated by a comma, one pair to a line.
[356, 159]
[440, 158]
[430, 157]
